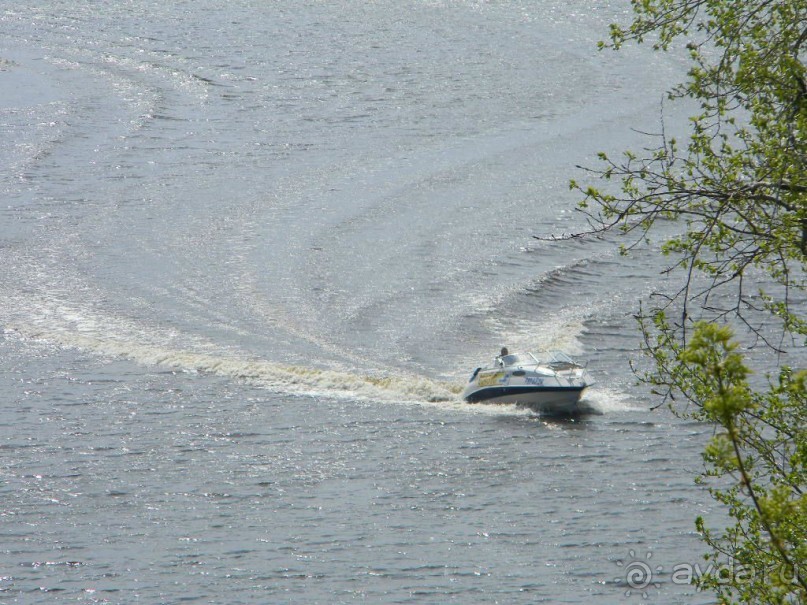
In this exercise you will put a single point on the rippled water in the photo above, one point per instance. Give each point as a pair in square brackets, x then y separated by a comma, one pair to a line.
[249, 253]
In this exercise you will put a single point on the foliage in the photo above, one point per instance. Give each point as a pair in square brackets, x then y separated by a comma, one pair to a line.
[758, 456]
[736, 193]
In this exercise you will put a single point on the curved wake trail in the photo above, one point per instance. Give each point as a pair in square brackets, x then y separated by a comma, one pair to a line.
[110, 337]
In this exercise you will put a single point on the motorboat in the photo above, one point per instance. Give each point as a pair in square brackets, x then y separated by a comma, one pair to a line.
[550, 386]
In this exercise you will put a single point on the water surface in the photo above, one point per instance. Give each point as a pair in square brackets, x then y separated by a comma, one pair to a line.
[250, 253]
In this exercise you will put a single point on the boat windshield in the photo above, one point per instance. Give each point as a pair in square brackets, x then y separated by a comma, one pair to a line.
[560, 357]
[510, 360]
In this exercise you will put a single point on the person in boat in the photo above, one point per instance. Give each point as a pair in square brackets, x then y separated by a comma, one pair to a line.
[502, 354]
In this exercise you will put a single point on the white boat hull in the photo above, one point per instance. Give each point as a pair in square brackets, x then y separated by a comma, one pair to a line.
[552, 387]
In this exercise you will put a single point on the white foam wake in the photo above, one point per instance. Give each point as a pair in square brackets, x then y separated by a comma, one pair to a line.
[560, 332]
[606, 399]
[67, 327]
